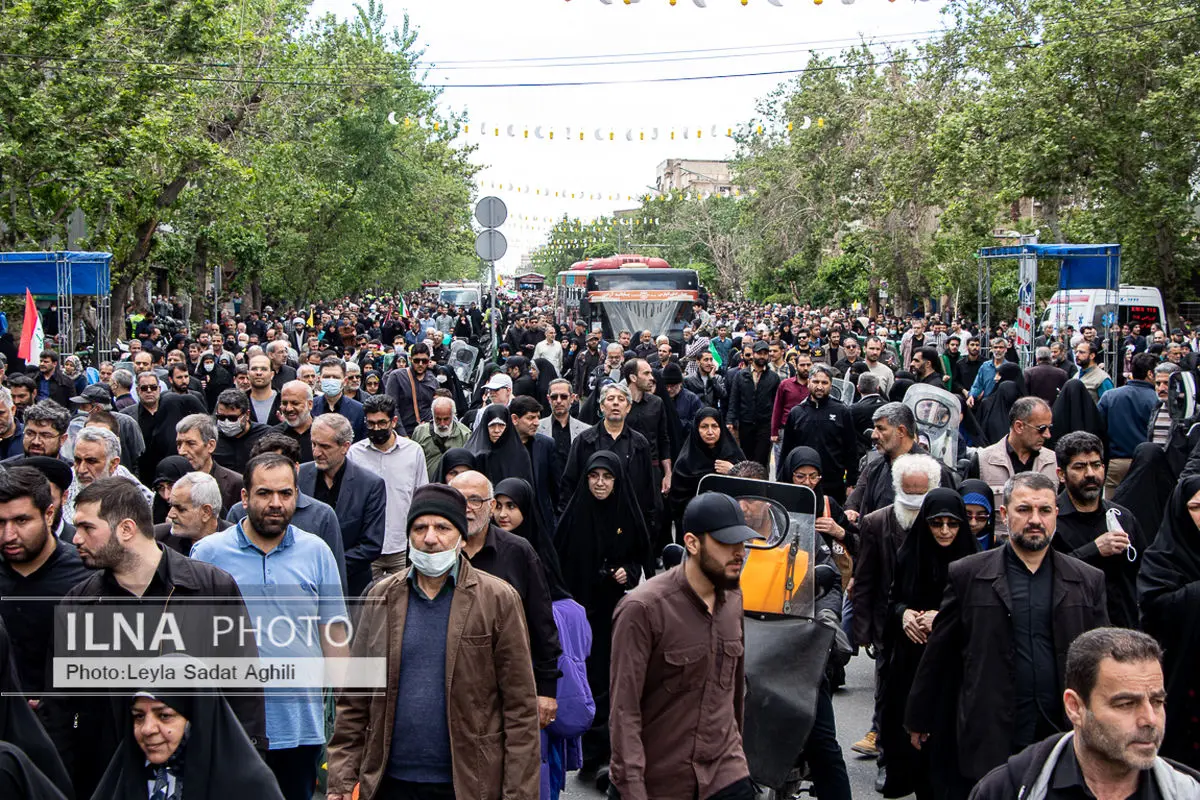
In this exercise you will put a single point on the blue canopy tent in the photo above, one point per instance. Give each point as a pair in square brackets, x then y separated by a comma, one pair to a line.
[1081, 266]
[65, 275]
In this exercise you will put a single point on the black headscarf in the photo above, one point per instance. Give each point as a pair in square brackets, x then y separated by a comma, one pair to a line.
[546, 373]
[367, 374]
[1169, 595]
[535, 530]
[20, 777]
[215, 760]
[697, 459]
[597, 536]
[455, 457]
[900, 387]
[802, 457]
[507, 458]
[170, 469]
[523, 384]
[972, 486]
[922, 564]
[20, 727]
[1075, 410]
[994, 420]
[1146, 488]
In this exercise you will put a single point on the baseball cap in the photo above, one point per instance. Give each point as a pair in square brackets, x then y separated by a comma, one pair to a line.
[499, 381]
[95, 394]
[718, 515]
[761, 347]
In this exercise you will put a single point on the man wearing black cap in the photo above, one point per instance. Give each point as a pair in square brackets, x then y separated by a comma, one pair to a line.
[59, 473]
[674, 736]
[751, 402]
[687, 403]
[97, 397]
[458, 658]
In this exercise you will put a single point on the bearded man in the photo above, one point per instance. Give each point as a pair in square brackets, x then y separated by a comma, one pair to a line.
[440, 434]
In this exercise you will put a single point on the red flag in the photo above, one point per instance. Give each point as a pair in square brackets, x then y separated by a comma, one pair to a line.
[32, 337]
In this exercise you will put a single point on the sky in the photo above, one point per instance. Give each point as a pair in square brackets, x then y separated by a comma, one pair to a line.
[552, 41]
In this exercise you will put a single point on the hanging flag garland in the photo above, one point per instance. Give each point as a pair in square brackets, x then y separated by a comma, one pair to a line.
[646, 133]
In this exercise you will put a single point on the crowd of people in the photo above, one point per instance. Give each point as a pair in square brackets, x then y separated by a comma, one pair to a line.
[495, 535]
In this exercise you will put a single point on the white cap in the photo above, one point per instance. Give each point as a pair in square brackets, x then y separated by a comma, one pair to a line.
[499, 381]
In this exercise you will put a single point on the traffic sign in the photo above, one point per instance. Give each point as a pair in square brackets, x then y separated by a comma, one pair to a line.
[491, 212]
[490, 245]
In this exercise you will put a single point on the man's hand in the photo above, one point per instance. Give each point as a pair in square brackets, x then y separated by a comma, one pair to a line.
[621, 576]
[852, 515]
[918, 739]
[970, 401]
[1112, 542]
[666, 483]
[774, 438]
[827, 526]
[547, 711]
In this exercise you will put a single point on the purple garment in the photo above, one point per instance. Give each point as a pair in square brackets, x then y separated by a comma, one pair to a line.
[562, 747]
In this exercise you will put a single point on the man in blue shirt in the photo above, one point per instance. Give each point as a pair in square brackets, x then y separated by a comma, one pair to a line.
[289, 580]
[1127, 411]
[985, 379]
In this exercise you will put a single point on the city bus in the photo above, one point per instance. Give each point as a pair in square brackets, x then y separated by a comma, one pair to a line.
[627, 292]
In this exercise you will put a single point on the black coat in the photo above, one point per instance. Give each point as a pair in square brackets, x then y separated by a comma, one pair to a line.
[827, 427]
[972, 636]
[861, 414]
[62, 388]
[1076, 536]
[160, 443]
[233, 453]
[360, 512]
[750, 403]
[635, 453]
[86, 729]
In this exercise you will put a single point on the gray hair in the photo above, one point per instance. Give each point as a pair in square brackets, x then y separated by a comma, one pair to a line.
[276, 345]
[823, 370]
[204, 488]
[339, 425]
[617, 345]
[916, 464]
[123, 378]
[1166, 368]
[897, 415]
[5, 397]
[616, 386]
[201, 423]
[868, 384]
[570, 388]
[1028, 480]
[112, 445]
[1042, 355]
[438, 401]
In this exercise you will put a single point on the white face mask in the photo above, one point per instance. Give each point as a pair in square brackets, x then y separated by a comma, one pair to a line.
[910, 501]
[433, 565]
[229, 427]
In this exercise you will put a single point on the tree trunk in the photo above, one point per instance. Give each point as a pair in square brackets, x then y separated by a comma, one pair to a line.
[200, 277]
[117, 302]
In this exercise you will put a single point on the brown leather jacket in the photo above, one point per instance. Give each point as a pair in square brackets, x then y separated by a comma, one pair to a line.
[491, 699]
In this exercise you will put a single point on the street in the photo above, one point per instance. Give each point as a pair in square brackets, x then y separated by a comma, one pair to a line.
[852, 706]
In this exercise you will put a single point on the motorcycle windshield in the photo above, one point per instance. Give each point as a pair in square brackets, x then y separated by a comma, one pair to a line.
[656, 316]
[462, 360]
[938, 418]
[777, 576]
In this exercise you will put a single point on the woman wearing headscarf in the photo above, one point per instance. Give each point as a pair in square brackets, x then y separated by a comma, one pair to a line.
[523, 383]
[215, 377]
[562, 749]
[900, 386]
[1146, 488]
[20, 777]
[707, 449]
[169, 470]
[545, 374]
[604, 549]
[939, 537]
[1169, 594]
[993, 420]
[1075, 410]
[977, 496]
[185, 748]
[371, 382]
[456, 460]
[802, 467]
[20, 727]
[497, 447]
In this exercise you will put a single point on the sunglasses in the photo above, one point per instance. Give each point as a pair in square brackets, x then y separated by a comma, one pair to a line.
[560, 397]
[943, 522]
[148, 388]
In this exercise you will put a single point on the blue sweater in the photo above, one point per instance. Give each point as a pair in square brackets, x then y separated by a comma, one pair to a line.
[420, 734]
[1127, 412]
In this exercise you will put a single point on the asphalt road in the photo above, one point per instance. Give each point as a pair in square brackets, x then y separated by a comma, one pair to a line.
[852, 706]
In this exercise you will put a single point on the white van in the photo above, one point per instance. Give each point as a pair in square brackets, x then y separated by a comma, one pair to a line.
[458, 294]
[1079, 307]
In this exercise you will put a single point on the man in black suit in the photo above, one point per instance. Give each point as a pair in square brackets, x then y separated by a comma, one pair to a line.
[356, 495]
[862, 412]
[999, 643]
[51, 382]
[157, 414]
[526, 414]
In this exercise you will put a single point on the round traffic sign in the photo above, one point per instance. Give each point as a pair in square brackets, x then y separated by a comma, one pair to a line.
[490, 245]
[491, 212]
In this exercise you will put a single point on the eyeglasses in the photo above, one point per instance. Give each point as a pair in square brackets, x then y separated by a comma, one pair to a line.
[148, 388]
[420, 361]
[943, 522]
[560, 397]
[978, 517]
[1043, 429]
[476, 503]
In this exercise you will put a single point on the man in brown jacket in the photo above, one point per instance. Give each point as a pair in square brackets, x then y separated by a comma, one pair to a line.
[458, 719]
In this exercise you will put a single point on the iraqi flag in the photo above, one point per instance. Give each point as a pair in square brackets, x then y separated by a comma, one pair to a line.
[32, 337]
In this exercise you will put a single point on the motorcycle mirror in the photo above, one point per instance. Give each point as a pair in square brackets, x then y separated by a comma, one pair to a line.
[672, 555]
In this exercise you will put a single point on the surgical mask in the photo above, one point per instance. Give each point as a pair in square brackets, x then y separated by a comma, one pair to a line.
[378, 436]
[208, 366]
[910, 501]
[433, 565]
[229, 427]
[331, 387]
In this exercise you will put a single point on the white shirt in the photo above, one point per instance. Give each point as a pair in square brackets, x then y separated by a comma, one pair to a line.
[403, 471]
[551, 351]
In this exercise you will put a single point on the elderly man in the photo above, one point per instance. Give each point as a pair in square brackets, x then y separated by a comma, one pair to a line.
[277, 351]
[1022, 450]
[11, 429]
[295, 407]
[97, 455]
[1115, 699]
[881, 534]
[999, 640]
[511, 558]
[894, 434]
[98, 398]
[195, 512]
[443, 687]
[440, 434]
[357, 496]
[196, 440]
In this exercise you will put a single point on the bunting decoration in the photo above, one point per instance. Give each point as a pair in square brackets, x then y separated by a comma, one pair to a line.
[608, 134]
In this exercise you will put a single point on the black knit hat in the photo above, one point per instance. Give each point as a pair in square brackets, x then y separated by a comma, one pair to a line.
[444, 501]
[56, 471]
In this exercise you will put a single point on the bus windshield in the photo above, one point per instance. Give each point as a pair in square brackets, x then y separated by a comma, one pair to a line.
[659, 300]
[458, 297]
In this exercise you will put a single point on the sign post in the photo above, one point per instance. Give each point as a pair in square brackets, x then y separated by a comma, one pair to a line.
[490, 245]
[1026, 286]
